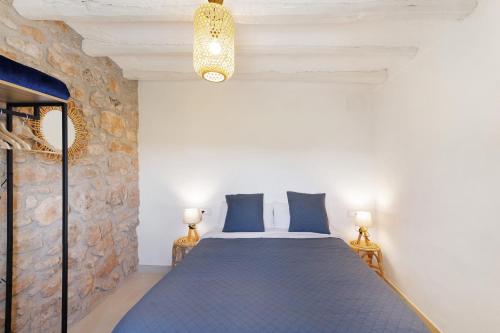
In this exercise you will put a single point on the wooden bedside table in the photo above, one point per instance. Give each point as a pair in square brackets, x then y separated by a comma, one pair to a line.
[181, 247]
[368, 252]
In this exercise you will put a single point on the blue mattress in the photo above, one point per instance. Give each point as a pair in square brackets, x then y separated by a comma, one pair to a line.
[27, 77]
[271, 285]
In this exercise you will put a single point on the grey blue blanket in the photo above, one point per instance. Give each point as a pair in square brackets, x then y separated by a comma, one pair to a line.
[271, 285]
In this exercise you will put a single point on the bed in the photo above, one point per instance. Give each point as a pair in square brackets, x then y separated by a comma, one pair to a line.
[274, 281]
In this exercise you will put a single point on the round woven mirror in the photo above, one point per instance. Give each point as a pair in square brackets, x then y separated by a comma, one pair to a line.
[48, 130]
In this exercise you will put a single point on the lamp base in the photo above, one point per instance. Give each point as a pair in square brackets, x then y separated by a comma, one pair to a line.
[193, 233]
[363, 232]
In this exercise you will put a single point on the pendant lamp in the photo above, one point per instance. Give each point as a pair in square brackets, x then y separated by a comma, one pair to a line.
[213, 50]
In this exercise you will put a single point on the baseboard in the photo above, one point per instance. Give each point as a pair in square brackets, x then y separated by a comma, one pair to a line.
[429, 323]
[153, 269]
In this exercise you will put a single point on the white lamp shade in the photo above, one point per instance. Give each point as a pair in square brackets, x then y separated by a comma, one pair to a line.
[192, 216]
[363, 219]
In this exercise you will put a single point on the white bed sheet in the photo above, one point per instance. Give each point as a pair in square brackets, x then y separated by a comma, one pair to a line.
[271, 233]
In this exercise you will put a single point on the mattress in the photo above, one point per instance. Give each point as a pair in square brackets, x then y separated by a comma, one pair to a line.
[271, 285]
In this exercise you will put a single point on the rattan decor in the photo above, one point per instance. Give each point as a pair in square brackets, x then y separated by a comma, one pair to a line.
[213, 49]
[368, 252]
[79, 146]
[180, 248]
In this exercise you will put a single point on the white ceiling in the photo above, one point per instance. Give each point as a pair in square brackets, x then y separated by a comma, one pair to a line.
[346, 41]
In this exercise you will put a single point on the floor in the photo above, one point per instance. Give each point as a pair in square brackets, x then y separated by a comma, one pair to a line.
[107, 314]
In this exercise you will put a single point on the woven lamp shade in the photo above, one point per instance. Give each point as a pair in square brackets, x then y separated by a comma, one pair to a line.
[213, 50]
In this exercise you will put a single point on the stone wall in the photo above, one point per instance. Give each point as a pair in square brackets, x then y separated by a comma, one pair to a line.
[104, 194]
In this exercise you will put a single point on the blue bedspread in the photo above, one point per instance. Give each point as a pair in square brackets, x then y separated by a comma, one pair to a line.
[271, 285]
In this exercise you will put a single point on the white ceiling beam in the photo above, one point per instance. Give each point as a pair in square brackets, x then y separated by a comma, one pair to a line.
[343, 77]
[247, 12]
[97, 48]
[357, 60]
[159, 37]
[129, 32]
[350, 77]
[100, 48]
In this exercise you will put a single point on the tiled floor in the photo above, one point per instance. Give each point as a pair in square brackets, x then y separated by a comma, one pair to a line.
[107, 314]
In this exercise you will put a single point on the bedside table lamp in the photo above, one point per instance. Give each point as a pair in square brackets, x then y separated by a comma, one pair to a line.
[192, 216]
[363, 220]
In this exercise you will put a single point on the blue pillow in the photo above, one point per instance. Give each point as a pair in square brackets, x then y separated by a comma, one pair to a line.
[245, 213]
[307, 213]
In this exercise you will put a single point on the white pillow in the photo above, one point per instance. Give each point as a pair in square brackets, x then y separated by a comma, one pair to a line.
[281, 215]
[268, 216]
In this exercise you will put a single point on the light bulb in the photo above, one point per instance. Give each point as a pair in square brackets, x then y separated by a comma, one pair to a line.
[214, 47]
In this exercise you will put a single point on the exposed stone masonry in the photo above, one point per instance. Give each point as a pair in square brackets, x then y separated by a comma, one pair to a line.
[104, 195]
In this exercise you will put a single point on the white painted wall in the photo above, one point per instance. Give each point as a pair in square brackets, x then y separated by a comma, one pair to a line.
[438, 172]
[200, 141]
[426, 145]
